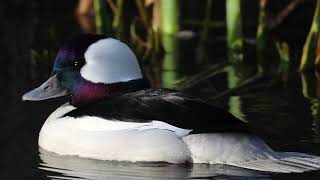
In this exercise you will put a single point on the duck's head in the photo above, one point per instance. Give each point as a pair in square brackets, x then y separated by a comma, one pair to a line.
[91, 67]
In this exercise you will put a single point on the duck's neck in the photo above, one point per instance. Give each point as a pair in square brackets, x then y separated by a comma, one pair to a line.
[88, 92]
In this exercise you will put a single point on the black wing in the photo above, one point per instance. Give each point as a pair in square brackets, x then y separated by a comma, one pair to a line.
[170, 106]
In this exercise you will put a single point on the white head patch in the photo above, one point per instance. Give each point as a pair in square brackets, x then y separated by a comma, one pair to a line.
[110, 61]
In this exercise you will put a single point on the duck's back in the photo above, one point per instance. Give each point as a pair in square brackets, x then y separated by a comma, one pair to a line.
[164, 105]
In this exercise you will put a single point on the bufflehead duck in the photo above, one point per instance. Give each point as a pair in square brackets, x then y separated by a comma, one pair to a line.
[113, 114]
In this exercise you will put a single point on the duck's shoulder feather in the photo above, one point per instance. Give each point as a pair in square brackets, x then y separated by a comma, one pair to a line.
[170, 106]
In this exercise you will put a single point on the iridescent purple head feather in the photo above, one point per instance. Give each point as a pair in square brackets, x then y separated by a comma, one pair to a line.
[71, 54]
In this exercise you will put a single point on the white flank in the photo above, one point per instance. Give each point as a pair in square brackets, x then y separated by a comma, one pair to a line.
[98, 138]
[110, 61]
[247, 151]
[226, 148]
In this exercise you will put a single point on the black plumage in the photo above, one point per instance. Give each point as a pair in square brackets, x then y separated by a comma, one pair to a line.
[170, 106]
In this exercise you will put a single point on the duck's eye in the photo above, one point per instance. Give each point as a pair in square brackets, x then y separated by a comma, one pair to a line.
[78, 63]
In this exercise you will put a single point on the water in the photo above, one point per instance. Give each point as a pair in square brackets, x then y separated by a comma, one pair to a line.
[285, 115]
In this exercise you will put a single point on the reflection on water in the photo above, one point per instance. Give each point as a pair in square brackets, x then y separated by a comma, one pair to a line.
[170, 61]
[65, 167]
[234, 101]
[311, 91]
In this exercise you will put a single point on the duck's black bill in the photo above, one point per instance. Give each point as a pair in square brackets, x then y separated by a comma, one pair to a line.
[49, 89]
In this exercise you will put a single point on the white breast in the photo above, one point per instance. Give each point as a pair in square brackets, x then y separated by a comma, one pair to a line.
[98, 138]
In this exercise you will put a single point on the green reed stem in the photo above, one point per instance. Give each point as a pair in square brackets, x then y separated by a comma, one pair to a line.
[102, 18]
[309, 50]
[234, 26]
[169, 12]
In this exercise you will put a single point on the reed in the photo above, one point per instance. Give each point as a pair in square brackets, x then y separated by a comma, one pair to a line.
[310, 85]
[234, 101]
[191, 81]
[284, 54]
[206, 22]
[262, 31]
[169, 74]
[268, 55]
[202, 55]
[309, 56]
[234, 26]
[117, 23]
[102, 18]
[169, 12]
[169, 26]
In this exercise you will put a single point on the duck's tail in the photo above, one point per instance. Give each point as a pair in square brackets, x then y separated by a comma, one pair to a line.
[285, 162]
[247, 151]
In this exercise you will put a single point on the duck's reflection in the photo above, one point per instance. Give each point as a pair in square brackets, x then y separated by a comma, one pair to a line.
[70, 167]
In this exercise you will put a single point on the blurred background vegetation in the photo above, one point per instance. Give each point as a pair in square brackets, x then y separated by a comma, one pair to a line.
[180, 44]
[157, 27]
[262, 37]
[187, 45]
